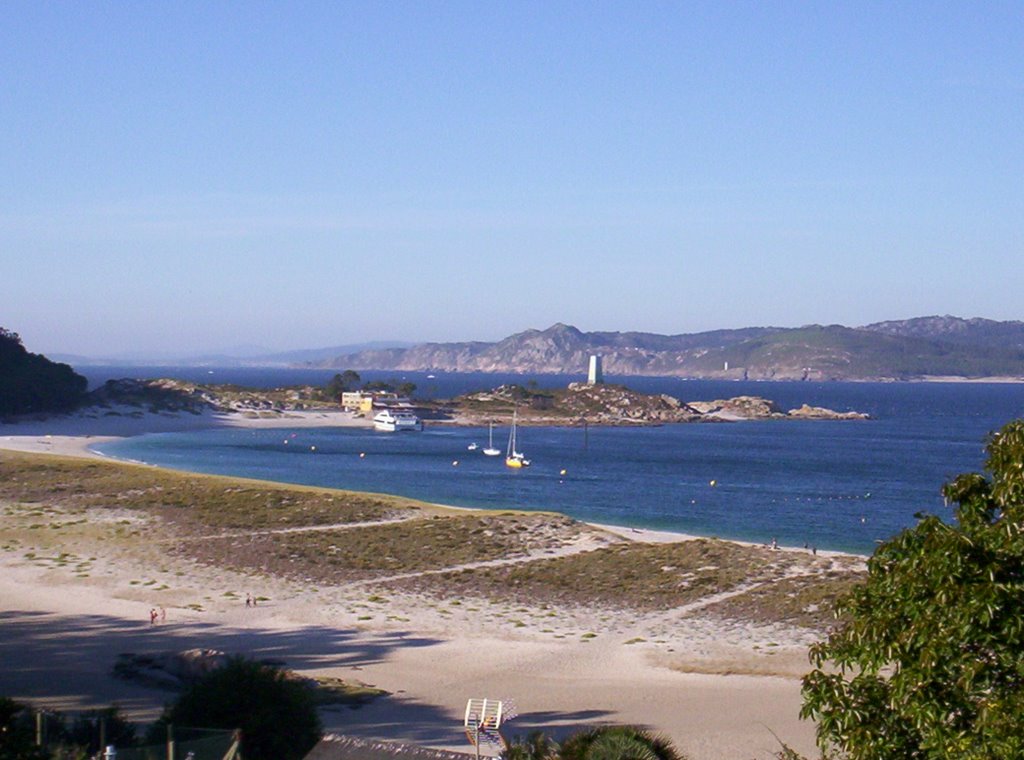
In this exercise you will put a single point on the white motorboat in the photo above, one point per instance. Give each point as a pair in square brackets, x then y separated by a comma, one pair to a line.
[393, 422]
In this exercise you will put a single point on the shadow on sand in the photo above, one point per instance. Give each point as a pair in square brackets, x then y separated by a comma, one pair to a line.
[64, 663]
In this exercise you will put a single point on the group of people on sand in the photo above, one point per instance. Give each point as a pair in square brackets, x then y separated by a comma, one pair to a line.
[159, 614]
[774, 546]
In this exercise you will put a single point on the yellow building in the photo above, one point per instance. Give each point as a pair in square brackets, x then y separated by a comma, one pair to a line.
[353, 401]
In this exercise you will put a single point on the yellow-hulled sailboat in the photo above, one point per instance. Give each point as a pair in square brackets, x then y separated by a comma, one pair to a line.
[514, 458]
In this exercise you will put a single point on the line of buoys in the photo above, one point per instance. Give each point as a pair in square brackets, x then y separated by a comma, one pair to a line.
[820, 498]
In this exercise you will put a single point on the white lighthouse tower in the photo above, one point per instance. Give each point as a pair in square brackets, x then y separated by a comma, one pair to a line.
[595, 376]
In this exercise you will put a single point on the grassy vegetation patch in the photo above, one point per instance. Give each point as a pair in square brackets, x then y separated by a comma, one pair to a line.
[336, 556]
[193, 502]
[805, 601]
[642, 576]
[651, 577]
[335, 691]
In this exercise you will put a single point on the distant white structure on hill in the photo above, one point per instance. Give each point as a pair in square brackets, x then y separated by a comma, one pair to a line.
[595, 376]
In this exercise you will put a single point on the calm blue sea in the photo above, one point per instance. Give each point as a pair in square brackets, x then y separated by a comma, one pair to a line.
[833, 485]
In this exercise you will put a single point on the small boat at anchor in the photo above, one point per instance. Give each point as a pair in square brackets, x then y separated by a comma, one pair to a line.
[490, 451]
[513, 458]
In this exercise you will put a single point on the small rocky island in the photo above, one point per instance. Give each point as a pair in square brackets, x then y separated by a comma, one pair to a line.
[577, 404]
[600, 404]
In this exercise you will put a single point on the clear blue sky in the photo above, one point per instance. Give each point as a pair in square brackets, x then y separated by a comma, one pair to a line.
[194, 176]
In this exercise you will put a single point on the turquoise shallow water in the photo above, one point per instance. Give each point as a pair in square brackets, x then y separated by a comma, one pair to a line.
[833, 485]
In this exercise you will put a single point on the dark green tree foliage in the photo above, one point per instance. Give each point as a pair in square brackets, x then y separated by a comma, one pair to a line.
[62, 739]
[342, 382]
[535, 746]
[931, 657]
[277, 714]
[95, 729]
[601, 743]
[617, 743]
[334, 388]
[31, 383]
[17, 732]
[389, 386]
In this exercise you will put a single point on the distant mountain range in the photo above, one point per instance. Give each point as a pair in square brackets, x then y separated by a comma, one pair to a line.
[899, 350]
[242, 356]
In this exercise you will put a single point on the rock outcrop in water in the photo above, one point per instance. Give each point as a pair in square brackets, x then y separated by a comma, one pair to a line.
[806, 412]
[757, 408]
[739, 407]
[618, 404]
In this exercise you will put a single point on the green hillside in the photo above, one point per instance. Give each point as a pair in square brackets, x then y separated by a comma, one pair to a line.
[843, 352]
[31, 383]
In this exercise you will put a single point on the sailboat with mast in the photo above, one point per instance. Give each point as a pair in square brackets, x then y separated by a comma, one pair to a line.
[490, 451]
[514, 458]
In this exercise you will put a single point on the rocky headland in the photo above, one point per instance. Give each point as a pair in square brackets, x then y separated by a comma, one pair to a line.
[581, 403]
[758, 408]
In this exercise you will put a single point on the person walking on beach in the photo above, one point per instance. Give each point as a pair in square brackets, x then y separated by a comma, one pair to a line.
[152, 616]
[248, 600]
[163, 614]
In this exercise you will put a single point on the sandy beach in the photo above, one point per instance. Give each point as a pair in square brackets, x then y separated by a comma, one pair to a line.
[72, 602]
[73, 434]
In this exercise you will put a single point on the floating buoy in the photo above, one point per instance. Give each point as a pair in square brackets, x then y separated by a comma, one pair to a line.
[455, 463]
[713, 483]
[362, 454]
[561, 472]
[312, 448]
[285, 441]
